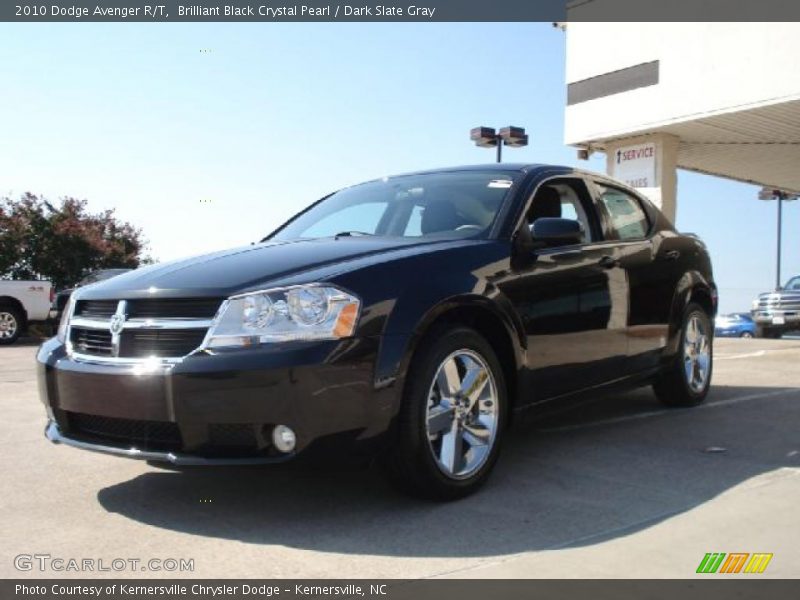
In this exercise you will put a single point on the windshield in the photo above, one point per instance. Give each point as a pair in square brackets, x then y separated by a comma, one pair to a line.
[793, 284]
[444, 205]
[101, 275]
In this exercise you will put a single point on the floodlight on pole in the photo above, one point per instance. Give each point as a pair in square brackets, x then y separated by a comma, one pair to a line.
[488, 137]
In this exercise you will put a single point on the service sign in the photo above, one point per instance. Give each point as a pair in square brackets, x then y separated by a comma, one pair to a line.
[636, 165]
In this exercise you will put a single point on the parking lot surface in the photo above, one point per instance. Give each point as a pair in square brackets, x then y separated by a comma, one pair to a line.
[620, 487]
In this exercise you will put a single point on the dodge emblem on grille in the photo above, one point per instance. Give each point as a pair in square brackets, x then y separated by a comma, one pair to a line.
[116, 324]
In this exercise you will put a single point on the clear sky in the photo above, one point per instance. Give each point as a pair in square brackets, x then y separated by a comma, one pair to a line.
[208, 136]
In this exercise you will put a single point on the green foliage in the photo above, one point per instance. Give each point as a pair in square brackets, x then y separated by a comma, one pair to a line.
[63, 243]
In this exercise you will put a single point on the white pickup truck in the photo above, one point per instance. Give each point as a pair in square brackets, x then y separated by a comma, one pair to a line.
[21, 303]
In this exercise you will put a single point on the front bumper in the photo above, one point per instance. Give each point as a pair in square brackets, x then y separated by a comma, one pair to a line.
[777, 318]
[55, 435]
[221, 408]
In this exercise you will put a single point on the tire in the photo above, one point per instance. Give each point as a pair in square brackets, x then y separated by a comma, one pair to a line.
[11, 322]
[769, 333]
[746, 335]
[431, 455]
[686, 382]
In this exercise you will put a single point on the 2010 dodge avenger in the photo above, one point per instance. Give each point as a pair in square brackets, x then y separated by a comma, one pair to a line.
[409, 318]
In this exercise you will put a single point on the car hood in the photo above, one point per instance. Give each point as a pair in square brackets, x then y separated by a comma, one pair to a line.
[252, 267]
[782, 294]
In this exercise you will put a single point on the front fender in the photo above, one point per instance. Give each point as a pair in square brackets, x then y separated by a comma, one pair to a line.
[690, 284]
[401, 342]
[404, 297]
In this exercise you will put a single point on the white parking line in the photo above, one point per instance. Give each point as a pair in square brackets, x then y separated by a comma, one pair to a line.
[668, 411]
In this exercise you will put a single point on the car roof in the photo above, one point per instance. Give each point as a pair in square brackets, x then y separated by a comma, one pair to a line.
[523, 167]
[520, 167]
[556, 170]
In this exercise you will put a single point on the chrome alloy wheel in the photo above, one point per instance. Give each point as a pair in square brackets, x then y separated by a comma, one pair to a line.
[8, 325]
[462, 414]
[696, 354]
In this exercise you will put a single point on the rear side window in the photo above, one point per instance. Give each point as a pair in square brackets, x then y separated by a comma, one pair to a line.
[625, 213]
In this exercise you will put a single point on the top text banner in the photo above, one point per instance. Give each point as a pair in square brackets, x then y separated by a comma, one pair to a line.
[402, 10]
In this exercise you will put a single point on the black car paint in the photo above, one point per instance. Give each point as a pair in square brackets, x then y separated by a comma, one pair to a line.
[530, 303]
[63, 296]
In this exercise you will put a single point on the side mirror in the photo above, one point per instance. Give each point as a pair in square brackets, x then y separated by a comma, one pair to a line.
[556, 232]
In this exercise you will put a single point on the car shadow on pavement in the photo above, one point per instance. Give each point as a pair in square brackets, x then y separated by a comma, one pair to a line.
[600, 471]
[30, 341]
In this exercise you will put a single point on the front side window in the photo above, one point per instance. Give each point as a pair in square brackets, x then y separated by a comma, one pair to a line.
[628, 220]
[457, 204]
[564, 199]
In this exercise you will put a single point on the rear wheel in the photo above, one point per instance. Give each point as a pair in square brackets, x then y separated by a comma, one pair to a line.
[451, 421]
[687, 381]
[746, 334]
[10, 324]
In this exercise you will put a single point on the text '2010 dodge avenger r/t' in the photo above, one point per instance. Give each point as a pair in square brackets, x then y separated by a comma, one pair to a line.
[409, 318]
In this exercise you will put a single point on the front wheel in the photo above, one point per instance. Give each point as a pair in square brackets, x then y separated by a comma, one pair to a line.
[451, 421]
[687, 380]
[746, 334]
[770, 333]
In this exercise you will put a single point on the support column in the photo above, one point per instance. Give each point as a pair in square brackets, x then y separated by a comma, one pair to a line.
[649, 163]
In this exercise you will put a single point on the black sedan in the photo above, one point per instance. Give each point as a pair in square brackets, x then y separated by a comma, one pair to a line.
[410, 319]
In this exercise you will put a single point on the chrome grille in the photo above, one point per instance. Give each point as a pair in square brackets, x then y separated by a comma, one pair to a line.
[113, 330]
[172, 308]
[91, 341]
[779, 301]
[96, 308]
[149, 308]
[159, 342]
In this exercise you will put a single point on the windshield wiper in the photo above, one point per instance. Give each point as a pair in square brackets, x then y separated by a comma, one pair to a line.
[350, 234]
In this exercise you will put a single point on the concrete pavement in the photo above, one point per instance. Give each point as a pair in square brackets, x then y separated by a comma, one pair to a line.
[617, 488]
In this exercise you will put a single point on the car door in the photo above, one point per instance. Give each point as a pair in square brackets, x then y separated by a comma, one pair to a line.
[650, 268]
[572, 301]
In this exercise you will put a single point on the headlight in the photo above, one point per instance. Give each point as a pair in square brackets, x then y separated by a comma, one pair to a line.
[61, 333]
[306, 312]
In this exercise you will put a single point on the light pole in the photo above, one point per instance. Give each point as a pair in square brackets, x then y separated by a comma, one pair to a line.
[488, 137]
[780, 196]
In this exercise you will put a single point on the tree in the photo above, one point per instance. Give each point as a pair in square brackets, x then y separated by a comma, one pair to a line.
[63, 243]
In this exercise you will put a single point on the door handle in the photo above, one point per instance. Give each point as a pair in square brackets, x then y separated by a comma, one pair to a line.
[608, 262]
[671, 255]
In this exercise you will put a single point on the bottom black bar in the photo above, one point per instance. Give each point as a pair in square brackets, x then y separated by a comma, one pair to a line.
[426, 589]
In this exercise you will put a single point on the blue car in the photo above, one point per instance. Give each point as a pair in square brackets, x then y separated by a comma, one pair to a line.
[735, 325]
